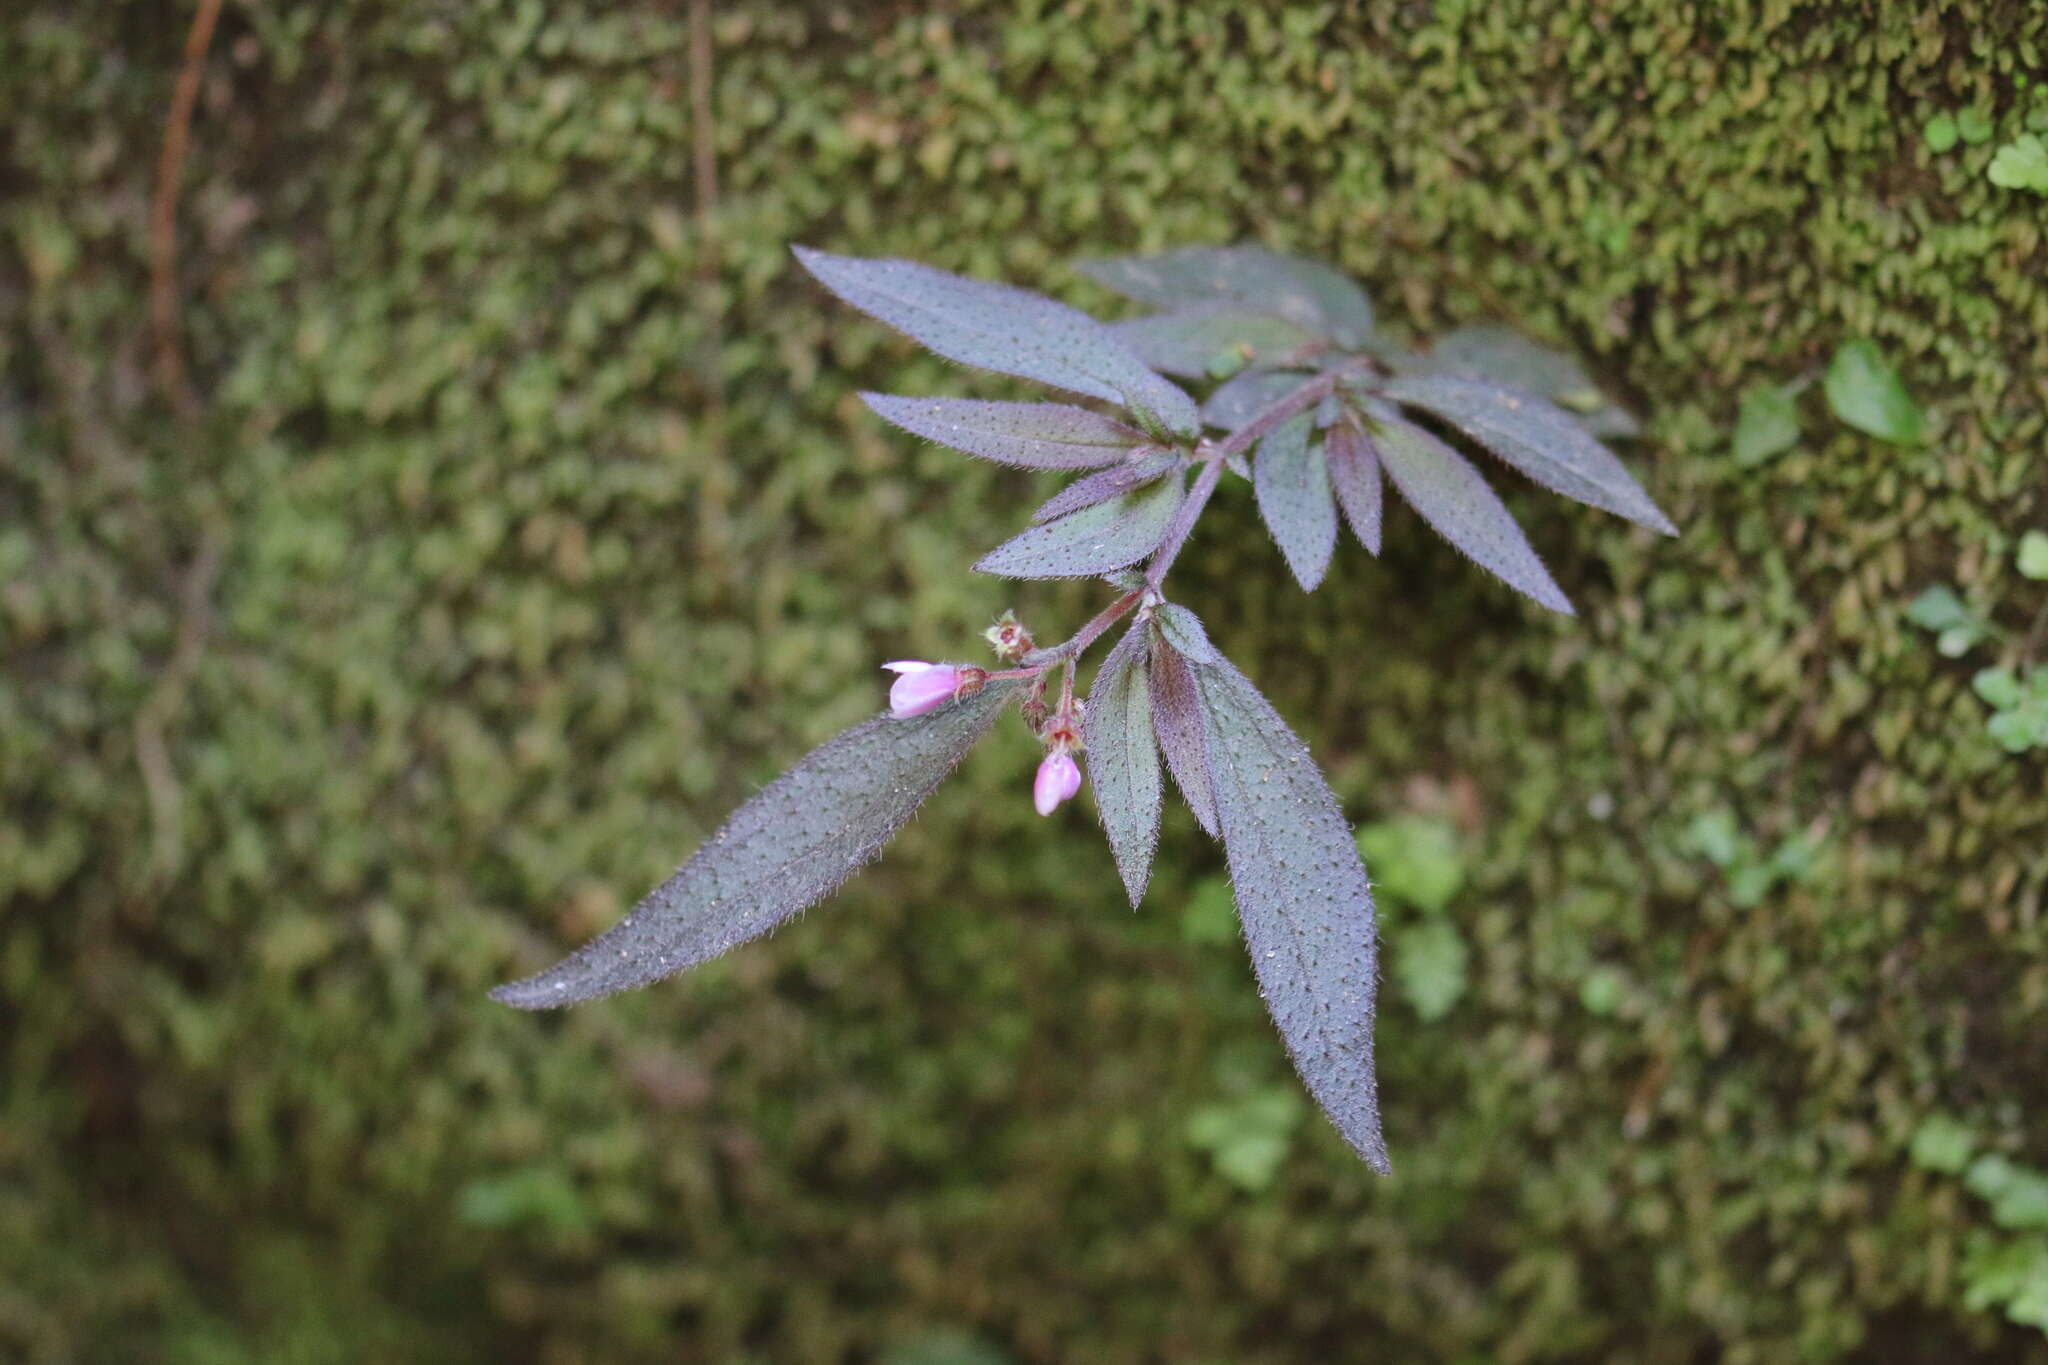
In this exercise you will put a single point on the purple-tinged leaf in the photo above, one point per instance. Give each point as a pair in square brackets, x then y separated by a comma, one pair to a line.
[1183, 630]
[1293, 488]
[1123, 762]
[1302, 898]
[1029, 435]
[788, 847]
[1452, 496]
[1355, 475]
[1537, 438]
[1210, 340]
[1008, 330]
[1091, 541]
[1498, 355]
[1242, 397]
[1139, 469]
[1307, 293]
[1177, 722]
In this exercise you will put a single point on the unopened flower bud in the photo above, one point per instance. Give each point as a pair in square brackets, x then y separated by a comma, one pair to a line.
[1059, 777]
[922, 687]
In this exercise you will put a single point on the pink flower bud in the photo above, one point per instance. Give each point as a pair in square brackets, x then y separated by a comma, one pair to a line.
[1059, 777]
[921, 687]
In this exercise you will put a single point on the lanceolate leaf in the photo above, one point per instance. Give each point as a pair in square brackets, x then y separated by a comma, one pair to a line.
[1091, 541]
[1211, 339]
[1293, 488]
[1242, 397]
[785, 849]
[1011, 331]
[1303, 899]
[1498, 355]
[1123, 762]
[1306, 293]
[1031, 435]
[1537, 438]
[1451, 496]
[1141, 468]
[1177, 722]
[1355, 475]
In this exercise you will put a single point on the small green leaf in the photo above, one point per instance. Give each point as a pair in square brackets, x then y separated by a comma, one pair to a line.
[1248, 1138]
[2021, 164]
[1414, 859]
[1602, 990]
[1714, 836]
[1938, 609]
[2018, 1195]
[2033, 555]
[1942, 1144]
[1974, 125]
[1429, 966]
[1768, 425]
[1998, 687]
[1940, 132]
[1866, 392]
[2017, 731]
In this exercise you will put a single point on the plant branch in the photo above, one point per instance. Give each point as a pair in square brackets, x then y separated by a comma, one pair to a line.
[163, 212]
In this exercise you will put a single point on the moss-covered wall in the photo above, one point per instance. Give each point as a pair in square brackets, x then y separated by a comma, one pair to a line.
[525, 529]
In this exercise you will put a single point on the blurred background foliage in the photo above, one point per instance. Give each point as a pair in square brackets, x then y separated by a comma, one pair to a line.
[528, 522]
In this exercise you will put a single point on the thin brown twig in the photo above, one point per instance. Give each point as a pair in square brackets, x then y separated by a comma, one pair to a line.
[163, 213]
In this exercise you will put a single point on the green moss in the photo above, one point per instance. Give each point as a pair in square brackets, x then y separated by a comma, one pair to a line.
[542, 531]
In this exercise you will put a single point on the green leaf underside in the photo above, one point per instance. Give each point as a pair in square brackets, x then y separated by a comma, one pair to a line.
[1028, 435]
[1189, 342]
[1139, 469]
[1768, 425]
[1177, 723]
[1499, 355]
[1239, 399]
[1303, 900]
[1091, 541]
[787, 848]
[1355, 477]
[1867, 393]
[1011, 331]
[1123, 761]
[1292, 485]
[1448, 493]
[1307, 293]
[1537, 438]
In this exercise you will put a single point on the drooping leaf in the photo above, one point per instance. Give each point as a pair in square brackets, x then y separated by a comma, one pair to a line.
[1306, 293]
[1500, 355]
[1293, 487]
[1244, 396]
[1302, 897]
[1211, 340]
[1448, 493]
[1768, 425]
[788, 847]
[1029, 435]
[1139, 469]
[1123, 761]
[1537, 438]
[1091, 541]
[1867, 393]
[1355, 475]
[1008, 330]
[1177, 722]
